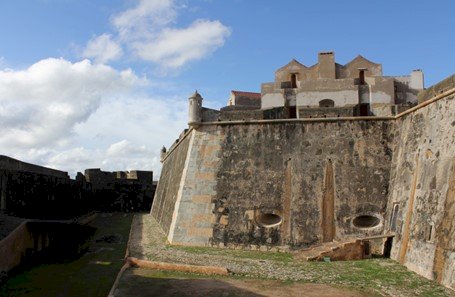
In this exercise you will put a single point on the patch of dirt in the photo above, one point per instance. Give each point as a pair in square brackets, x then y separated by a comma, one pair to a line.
[115, 238]
[139, 282]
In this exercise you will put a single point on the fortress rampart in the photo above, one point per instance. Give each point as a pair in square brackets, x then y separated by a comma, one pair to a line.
[34, 191]
[300, 182]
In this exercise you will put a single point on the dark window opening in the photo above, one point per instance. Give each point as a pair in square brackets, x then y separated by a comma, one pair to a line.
[366, 221]
[326, 103]
[293, 80]
[362, 77]
[364, 110]
[387, 247]
[393, 219]
[292, 112]
[429, 233]
[366, 248]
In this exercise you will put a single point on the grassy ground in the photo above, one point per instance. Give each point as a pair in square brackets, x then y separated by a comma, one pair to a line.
[91, 275]
[377, 276]
[245, 254]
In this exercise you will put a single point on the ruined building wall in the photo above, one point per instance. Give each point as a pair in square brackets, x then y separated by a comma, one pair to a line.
[422, 191]
[33, 191]
[121, 190]
[35, 195]
[239, 177]
[8, 163]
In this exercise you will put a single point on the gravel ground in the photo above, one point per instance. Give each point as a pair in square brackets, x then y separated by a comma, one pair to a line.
[149, 242]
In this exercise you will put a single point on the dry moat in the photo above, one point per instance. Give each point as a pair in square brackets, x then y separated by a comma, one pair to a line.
[333, 181]
[251, 273]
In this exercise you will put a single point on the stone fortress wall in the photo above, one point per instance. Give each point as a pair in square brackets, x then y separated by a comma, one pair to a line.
[301, 182]
[33, 191]
[421, 202]
[7, 163]
[127, 191]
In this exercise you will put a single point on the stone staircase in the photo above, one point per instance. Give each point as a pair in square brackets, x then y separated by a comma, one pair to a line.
[336, 251]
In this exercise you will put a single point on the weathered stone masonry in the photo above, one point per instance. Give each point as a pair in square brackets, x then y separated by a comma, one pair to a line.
[281, 168]
[296, 183]
[236, 172]
[421, 209]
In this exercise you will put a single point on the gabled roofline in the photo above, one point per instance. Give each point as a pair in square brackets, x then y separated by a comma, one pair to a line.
[293, 61]
[360, 57]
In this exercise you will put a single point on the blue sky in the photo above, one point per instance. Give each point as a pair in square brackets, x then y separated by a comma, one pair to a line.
[144, 57]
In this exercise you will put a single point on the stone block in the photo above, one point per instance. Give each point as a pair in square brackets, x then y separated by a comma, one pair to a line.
[200, 232]
[201, 198]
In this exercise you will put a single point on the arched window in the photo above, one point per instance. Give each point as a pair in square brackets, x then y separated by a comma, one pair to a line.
[326, 103]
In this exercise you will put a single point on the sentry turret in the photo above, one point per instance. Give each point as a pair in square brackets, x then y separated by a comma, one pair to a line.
[195, 109]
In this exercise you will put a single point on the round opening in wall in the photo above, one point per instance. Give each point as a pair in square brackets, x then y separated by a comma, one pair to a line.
[268, 220]
[366, 221]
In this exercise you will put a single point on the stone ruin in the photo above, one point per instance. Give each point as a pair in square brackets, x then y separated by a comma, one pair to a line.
[33, 191]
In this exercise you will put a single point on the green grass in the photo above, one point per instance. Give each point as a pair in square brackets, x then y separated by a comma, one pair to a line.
[377, 276]
[91, 275]
[244, 254]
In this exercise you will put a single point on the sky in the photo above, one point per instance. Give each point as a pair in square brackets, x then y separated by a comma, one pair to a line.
[104, 84]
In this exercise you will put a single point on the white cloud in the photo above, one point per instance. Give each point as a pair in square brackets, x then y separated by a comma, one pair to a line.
[148, 16]
[173, 48]
[103, 49]
[73, 116]
[41, 105]
[148, 31]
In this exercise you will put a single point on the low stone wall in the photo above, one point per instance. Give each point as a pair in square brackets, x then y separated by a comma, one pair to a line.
[326, 112]
[13, 247]
[239, 115]
[39, 241]
[441, 87]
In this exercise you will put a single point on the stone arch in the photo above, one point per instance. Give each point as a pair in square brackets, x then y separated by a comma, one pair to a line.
[326, 103]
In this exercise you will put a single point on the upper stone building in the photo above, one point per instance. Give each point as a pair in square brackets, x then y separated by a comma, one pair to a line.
[330, 89]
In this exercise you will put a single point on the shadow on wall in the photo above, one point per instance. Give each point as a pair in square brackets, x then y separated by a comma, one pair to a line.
[36, 243]
[32, 191]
